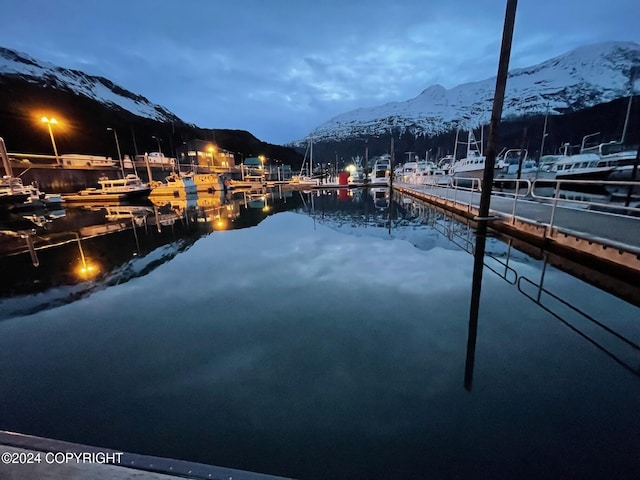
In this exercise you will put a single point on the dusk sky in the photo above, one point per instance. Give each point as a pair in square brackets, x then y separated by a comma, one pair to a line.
[280, 68]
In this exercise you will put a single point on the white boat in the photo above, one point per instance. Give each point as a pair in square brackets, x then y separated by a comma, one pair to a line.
[472, 166]
[12, 191]
[117, 189]
[428, 173]
[593, 163]
[306, 178]
[156, 159]
[14, 194]
[381, 170]
[510, 161]
[79, 160]
[174, 186]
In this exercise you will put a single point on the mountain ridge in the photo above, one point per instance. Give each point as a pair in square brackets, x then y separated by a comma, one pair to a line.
[14, 63]
[578, 79]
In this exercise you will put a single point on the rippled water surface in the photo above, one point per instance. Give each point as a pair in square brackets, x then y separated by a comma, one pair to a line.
[327, 339]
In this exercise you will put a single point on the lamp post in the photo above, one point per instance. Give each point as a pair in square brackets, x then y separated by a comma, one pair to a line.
[49, 122]
[115, 135]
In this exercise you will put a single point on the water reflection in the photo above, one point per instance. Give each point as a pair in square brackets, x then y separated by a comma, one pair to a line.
[326, 342]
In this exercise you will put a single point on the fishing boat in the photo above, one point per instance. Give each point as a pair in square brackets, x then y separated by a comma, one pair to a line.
[206, 182]
[174, 186]
[472, 166]
[118, 189]
[381, 170]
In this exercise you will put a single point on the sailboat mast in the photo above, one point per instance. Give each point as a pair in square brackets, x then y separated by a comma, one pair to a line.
[455, 146]
[626, 118]
[311, 157]
[544, 134]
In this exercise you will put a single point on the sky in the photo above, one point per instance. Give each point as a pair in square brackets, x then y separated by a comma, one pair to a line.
[280, 68]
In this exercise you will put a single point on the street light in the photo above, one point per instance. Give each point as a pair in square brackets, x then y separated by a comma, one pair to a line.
[49, 122]
[115, 135]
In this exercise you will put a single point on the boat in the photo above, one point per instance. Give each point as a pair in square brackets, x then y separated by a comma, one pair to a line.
[472, 166]
[381, 170]
[117, 189]
[206, 182]
[593, 163]
[155, 160]
[79, 160]
[356, 171]
[306, 178]
[427, 173]
[174, 186]
[514, 164]
[627, 174]
[12, 191]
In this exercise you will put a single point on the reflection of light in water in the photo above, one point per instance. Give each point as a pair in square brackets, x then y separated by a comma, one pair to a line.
[88, 270]
[220, 224]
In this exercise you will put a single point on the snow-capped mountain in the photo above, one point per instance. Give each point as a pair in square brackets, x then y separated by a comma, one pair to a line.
[579, 79]
[21, 65]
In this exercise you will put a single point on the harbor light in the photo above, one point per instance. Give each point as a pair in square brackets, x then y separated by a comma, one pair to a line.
[49, 122]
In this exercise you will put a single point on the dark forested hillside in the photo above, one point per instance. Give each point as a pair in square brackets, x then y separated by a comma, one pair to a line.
[607, 118]
[83, 126]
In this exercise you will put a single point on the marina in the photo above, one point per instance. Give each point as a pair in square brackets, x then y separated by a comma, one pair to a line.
[345, 345]
[199, 311]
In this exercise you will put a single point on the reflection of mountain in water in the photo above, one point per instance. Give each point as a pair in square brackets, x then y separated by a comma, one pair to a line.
[56, 260]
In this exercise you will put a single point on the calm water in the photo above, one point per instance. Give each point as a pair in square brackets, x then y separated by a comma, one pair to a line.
[314, 337]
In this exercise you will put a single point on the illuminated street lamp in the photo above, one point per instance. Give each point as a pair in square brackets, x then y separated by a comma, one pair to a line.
[49, 122]
[115, 135]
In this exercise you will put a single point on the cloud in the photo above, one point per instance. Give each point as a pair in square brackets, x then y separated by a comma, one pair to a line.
[280, 69]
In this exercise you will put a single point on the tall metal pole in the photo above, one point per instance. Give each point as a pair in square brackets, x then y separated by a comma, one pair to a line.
[49, 121]
[485, 198]
[115, 135]
[544, 135]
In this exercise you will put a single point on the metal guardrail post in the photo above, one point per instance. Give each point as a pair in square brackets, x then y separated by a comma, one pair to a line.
[556, 195]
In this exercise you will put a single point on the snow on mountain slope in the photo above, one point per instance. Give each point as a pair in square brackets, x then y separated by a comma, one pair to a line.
[578, 79]
[16, 64]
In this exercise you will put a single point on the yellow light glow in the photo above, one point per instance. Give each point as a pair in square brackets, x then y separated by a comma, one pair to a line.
[87, 271]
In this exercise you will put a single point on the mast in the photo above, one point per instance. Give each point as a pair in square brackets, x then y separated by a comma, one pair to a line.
[626, 118]
[310, 156]
[544, 134]
[455, 147]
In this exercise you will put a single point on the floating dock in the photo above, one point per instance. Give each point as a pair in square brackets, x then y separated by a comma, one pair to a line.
[609, 239]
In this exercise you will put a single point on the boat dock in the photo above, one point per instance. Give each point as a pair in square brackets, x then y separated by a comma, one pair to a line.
[26, 457]
[588, 232]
